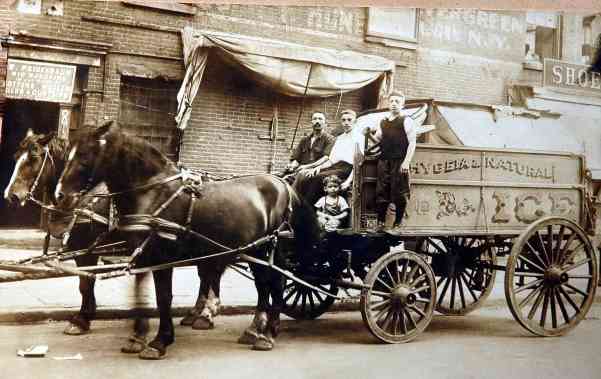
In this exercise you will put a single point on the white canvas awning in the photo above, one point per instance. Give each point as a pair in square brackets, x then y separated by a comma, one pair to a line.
[519, 128]
[288, 68]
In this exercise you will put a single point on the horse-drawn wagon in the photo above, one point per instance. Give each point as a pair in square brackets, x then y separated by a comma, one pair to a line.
[468, 207]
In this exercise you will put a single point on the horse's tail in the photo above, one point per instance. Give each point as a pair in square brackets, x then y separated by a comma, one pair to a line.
[303, 221]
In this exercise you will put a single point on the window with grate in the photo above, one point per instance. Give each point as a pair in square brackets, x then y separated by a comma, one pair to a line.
[148, 108]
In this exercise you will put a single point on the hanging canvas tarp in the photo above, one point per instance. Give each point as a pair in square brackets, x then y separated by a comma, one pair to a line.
[288, 68]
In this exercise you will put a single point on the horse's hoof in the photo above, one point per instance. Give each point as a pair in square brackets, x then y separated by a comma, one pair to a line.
[75, 330]
[202, 323]
[248, 338]
[188, 319]
[152, 353]
[263, 344]
[134, 345]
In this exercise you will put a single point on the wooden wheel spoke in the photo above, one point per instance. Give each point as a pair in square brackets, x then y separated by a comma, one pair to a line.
[461, 294]
[395, 322]
[442, 279]
[577, 264]
[444, 291]
[453, 286]
[311, 299]
[576, 289]
[470, 289]
[522, 257]
[441, 250]
[571, 253]
[381, 294]
[542, 246]
[557, 252]
[397, 272]
[319, 296]
[304, 301]
[378, 315]
[581, 276]
[562, 307]
[403, 323]
[417, 310]
[529, 274]
[553, 309]
[566, 247]
[378, 305]
[290, 294]
[412, 273]
[530, 296]
[420, 289]
[423, 301]
[550, 242]
[543, 315]
[540, 296]
[296, 299]
[569, 299]
[383, 283]
[410, 317]
[417, 281]
[536, 254]
[404, 270]
[386, 323]
[529, 285]
[390, 276]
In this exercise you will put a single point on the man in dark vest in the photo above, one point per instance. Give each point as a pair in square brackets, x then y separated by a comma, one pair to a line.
[397, 135]
[312, 147]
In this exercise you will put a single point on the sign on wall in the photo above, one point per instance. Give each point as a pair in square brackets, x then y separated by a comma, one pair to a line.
[40, 81]
[490, 34]
[571, 76]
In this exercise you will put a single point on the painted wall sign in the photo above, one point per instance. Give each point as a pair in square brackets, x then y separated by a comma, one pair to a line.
[572, 76]
[491, 34]
[40, 81]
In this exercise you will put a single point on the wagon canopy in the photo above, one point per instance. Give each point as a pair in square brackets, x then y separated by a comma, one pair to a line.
[519, 128]
[288, 68]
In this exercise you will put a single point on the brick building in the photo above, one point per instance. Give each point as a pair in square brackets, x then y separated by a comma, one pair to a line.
[126, 62]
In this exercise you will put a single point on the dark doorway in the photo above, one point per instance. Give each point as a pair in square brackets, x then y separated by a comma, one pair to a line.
[41, 117]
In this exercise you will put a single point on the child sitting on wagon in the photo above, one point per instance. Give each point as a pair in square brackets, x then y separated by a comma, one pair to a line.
[332, 209]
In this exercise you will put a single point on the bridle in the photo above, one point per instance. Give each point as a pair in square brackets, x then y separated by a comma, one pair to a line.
[30, 194]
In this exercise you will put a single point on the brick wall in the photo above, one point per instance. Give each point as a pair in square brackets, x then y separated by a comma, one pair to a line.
[455, 60]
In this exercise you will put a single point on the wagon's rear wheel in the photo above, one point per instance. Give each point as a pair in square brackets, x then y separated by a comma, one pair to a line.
[464, 276]
[304, 303]
[551, 277]
[398, 303]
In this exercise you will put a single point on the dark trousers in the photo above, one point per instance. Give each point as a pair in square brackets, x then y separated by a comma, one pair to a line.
[391, 187]
[311, 189]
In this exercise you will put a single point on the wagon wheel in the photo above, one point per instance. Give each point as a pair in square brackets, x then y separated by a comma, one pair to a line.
[464, 277]
[551, 277]
[304, 303]
[398, 303]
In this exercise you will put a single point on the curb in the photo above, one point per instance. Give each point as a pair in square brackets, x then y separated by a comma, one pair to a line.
[25, 316]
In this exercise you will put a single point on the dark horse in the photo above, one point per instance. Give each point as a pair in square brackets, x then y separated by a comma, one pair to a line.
[230, 213]
[39, 161]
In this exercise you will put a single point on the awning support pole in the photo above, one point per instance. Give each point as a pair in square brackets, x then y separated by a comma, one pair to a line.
[302, 106]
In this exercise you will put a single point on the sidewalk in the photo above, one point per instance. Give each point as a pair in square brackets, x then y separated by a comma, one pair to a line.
[59, 298]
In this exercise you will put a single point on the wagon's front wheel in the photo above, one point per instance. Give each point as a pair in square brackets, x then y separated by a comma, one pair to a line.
[551, 277]
[304, 303]
[398, 301]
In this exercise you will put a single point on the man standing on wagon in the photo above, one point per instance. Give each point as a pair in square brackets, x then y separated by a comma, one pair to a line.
[397, 134]
[312, 147]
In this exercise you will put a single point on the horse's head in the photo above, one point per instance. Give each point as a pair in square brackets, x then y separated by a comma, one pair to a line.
[85, 165]
[34, 166]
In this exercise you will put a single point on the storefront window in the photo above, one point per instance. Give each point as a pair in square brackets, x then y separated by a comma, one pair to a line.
[543, 36]
[398, 24]
[591, 26]
[148, 108]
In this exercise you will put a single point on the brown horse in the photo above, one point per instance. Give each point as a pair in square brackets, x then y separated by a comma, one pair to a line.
[39, 161]
[155, 201]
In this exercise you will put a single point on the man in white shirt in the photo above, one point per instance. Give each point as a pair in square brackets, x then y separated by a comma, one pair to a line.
[309, 182]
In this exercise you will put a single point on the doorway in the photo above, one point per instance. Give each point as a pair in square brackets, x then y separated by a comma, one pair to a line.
[41, 117]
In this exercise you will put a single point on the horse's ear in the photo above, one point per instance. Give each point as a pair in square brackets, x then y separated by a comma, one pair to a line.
[29, 133]
[47, 138]
[104, 129]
